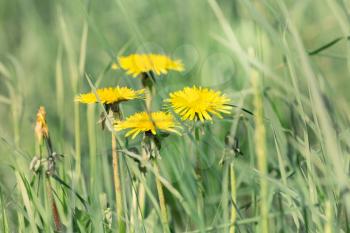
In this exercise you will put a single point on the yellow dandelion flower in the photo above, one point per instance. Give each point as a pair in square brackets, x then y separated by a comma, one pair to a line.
[110, 95]
[145, 122]
[41, 129]
[137, 64]
[193, 103]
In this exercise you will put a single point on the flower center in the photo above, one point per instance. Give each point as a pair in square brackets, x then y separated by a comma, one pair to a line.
[197, 102]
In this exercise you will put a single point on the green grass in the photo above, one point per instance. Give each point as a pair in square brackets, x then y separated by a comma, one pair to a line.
[52, 50]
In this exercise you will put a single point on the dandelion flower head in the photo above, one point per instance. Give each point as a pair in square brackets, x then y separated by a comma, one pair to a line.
[137, 64]
[110, 95]
[147, 122]
[193, 103]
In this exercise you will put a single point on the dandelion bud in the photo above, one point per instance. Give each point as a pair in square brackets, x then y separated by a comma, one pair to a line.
[41, 129]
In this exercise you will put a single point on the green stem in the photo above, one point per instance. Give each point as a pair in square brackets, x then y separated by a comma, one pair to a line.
[133, 211]
[225, 195]
[147, 83]
[200, 199]
[55, 214]
[117, 186]
[92, 143]
[77, 139]
[163, 210]
[233, 198]
[260, 141]
[148, 99]
[329, 218]
[141, 199]
[148, 86]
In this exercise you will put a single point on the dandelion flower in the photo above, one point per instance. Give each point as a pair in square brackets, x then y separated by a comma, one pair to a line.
[41, 129]
[137, 64]
[193, 103]
[147, 122]
[110, 95]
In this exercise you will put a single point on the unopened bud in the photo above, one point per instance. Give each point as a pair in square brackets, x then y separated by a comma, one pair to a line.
[41, 129]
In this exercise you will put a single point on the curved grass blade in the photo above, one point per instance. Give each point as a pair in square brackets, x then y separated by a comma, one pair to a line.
[62, 182]
[328, 45]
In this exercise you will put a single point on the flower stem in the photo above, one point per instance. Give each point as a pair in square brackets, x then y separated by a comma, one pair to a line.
[55, 214]
[200, 201]
[233, 198]
[163, 210]
[117, 187]
[77, 139]
[147, 83]
[260, 141]
[329, 218]
[141, 199]
[92, 143]
[148, 99]
[148, 86]
[133, 211]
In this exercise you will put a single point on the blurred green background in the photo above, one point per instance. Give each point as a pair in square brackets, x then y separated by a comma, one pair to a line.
[47, 48]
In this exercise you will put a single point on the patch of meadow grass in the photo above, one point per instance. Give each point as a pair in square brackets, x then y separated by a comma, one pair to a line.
[278, 163]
